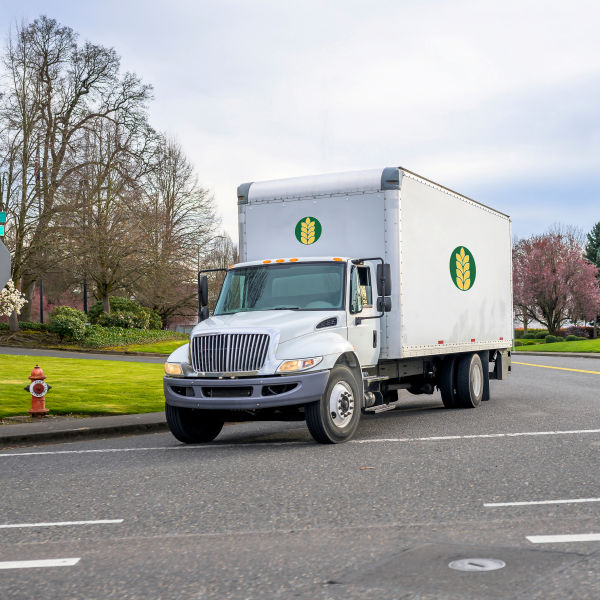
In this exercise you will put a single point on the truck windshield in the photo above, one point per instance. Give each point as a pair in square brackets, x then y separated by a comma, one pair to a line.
[299, 286]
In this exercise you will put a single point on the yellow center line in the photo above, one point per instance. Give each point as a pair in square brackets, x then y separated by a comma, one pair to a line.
[557, 368]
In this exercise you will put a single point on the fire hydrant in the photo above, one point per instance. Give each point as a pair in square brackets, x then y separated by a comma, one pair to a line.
[38, 389]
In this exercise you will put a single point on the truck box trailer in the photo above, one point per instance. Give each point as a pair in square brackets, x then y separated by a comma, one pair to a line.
[351, 286]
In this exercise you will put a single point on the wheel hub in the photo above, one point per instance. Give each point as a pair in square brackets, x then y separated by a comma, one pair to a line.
[341, 404]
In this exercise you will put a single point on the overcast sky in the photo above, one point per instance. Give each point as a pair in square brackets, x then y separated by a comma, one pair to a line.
[497, 100]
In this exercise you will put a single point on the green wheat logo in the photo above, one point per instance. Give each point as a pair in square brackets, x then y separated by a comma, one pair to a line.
[308, 230]
[462, 268]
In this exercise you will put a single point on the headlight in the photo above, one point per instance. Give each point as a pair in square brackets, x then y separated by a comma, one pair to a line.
[300, 364]
[173, 368]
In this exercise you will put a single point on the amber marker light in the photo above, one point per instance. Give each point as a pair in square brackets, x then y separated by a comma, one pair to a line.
[266, 262]
[293, 260]
[338, 259]
[299, 365]
[279, 260]
[173, 369]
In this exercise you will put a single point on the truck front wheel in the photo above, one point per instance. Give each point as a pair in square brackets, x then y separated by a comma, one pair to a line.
[469, 381]
[334, 418]
[192, 426]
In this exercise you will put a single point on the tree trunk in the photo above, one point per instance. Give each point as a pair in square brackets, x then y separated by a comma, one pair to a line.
[28, 285]
[106, 302]
[13, 322]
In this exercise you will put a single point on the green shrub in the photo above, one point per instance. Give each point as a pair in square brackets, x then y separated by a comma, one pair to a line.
[575, 338]
[102, 337]
[68, 311]
[31, 326]
[540, 335]
[133, 314]
[67, 327]
[68, 323]
[529, 336]
[519, 343]
[127, 320]
[550, 339]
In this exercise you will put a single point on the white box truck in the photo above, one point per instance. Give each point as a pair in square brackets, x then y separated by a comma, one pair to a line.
[352, 286]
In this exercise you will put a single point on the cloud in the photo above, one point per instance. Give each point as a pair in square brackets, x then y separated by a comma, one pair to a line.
[496, 98]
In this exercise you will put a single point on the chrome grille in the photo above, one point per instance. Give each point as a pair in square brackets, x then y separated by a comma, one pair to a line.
[229, 352]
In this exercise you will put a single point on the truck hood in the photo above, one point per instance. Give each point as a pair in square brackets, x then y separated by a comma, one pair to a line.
[289, 323]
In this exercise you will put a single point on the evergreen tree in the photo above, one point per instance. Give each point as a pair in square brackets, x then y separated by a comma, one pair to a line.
[592, 249]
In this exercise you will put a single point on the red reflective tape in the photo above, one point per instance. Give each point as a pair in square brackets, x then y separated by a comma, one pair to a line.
[472, 339]
[440, 341]
[501, 339]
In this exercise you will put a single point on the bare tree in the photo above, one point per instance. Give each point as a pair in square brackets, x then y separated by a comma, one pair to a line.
[179, 222]
[57, 89]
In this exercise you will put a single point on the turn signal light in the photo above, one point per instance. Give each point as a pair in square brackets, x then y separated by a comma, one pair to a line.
[173, 368]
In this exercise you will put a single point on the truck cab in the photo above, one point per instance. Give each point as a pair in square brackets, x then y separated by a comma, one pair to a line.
[280, 327]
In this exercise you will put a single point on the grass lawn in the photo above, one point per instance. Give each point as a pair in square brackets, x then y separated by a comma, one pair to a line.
[578, 346]
[161, 347]
[81, 386]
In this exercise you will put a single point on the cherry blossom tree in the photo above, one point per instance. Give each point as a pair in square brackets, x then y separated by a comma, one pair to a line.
[552, 281]
[11, 300]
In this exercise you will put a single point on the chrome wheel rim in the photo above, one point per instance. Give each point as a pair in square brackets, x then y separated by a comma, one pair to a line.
[476, 380]
[341, 404]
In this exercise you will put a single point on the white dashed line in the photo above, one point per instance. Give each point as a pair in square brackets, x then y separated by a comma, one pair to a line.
[557, 539]
[59, 523]
[229, 446]
[34, 564]
[540, 502]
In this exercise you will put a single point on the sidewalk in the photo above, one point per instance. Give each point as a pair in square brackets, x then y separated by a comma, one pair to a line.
[56, 429]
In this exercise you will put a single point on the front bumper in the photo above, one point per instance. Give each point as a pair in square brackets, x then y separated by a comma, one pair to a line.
[250, 393]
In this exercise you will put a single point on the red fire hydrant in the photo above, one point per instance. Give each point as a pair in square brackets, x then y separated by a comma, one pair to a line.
[38, 389]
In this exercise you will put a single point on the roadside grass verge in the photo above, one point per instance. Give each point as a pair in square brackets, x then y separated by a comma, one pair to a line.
[160, 347]
[576, 346]
[82, 387]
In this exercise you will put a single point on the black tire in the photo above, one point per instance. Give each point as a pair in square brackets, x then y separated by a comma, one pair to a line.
[192, 426]
[342, 390]
[469, 381]
[447, 382]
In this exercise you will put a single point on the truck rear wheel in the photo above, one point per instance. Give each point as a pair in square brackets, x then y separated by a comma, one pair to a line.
[469, 381]
[192, 426]
[447, 382]
[335, 417]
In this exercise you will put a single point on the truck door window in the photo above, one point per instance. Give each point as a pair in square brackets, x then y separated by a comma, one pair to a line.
[366, 290]
[356, 300]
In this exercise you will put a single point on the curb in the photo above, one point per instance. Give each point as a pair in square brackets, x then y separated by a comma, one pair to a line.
[562, 354]
[24, 438]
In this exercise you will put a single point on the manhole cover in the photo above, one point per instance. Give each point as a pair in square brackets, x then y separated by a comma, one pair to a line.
[477, 564]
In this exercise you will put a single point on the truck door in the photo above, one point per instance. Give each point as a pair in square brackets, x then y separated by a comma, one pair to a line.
[364, 336]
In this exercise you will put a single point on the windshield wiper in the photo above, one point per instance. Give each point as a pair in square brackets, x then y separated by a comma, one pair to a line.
[285, 308]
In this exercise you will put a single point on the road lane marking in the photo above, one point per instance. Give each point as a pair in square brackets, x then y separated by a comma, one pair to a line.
[229, 446]
[559, 539]
[557, 368]
[60, 523]
[33, 564]
[540, 502]
[476, 436]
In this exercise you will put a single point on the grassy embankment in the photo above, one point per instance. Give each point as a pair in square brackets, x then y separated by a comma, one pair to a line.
[575, 346]
[81, 386]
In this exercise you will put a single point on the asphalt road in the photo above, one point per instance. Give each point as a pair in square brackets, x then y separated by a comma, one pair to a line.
[265, 513]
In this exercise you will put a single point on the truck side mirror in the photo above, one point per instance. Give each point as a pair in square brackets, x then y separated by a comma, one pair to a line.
[203, 290]
[384, 304]
[384, 279]
[204, 314]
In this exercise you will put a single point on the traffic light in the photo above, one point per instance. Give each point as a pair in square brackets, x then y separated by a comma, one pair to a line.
[2, 222]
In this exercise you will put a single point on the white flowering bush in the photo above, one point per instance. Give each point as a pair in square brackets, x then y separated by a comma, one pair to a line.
[11, 299]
